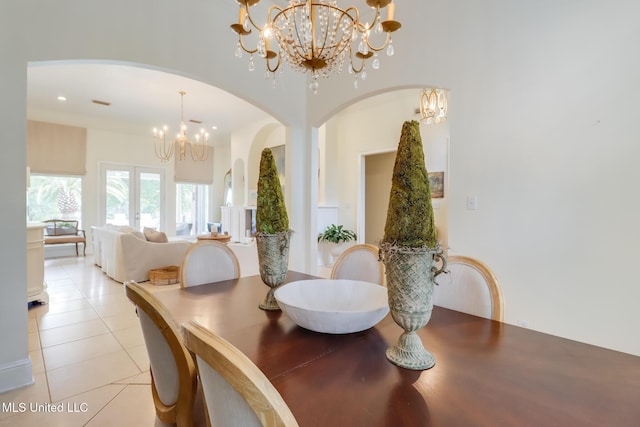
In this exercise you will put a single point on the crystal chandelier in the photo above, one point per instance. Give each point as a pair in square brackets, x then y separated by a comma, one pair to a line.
[317, 36]
[164, 149]
[433, 105]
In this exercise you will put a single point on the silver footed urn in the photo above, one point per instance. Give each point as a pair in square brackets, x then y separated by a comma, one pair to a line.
[273, 260]
[410, 276]
[272, 229]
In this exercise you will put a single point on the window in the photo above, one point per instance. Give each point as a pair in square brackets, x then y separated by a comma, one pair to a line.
[54, 197]
[192, 208]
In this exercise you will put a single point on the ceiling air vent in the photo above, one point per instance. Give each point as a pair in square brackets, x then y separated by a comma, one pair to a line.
[196, 121]
[97, 101]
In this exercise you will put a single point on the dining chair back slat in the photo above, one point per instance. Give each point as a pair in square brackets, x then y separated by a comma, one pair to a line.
[173, 372]
[207, 262]
[236, 392]
[359, 262]
[470, 287]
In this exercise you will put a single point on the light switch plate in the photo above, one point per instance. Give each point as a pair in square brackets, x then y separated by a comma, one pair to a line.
[472, 203]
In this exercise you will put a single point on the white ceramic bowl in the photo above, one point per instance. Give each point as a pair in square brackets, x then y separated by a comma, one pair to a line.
[333, 306]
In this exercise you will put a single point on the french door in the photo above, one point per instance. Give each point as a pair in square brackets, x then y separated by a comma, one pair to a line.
[132, 196]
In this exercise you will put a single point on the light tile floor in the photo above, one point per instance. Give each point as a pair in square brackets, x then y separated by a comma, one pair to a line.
[88, 355]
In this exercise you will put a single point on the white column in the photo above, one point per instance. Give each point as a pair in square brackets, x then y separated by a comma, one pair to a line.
[301, 196]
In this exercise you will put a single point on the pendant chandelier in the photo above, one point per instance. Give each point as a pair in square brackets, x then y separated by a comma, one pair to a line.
[317, 37]
[433, 105]
[165, 149]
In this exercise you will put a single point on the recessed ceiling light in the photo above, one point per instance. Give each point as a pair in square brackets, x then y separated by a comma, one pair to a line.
[214, 127]
[62, 98]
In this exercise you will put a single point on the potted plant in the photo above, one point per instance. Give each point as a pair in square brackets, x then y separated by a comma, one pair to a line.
[272, 229]
[337, 235]
[410, 250]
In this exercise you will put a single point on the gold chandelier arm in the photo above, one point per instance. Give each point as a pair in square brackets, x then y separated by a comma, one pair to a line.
[245, 4]
[198, 152]
[353, 9]
[271, 10]
[163, 152]
[252, 22]
[250, 51]
[269, 53]
[274, 69]
[360, 26]
[353, 68]
[378, 49]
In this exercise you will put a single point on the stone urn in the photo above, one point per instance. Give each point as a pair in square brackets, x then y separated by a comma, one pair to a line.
[273, 260]
[410, 274]
[336, 250]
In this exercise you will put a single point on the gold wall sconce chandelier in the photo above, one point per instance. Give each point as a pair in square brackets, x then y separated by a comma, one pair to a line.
[165, 149]
[433, 105]
[317, 37]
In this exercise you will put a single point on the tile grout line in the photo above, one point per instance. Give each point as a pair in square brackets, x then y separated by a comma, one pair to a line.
[105, 405]
[44, 363]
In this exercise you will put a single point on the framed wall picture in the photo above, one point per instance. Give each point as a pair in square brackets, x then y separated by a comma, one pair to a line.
[436, 182]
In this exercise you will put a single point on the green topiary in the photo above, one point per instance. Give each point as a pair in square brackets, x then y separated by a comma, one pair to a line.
[410, 214]
[271, 213]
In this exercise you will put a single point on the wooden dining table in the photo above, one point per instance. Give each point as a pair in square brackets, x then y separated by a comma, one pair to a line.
[487, 373]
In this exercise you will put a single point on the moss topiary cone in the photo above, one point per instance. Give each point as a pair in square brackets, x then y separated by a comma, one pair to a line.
[271, 212]
[410, 214]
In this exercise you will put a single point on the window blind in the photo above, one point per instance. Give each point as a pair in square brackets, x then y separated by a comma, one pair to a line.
[195, 171]
[56, 149]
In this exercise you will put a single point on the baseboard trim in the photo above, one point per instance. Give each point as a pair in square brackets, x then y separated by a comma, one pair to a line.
[16, 375]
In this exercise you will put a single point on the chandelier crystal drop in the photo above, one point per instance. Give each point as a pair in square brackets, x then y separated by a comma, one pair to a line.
[433, 105]
[316, 36]
[181, 144]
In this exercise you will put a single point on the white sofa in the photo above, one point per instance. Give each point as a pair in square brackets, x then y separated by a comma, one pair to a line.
[124, 254]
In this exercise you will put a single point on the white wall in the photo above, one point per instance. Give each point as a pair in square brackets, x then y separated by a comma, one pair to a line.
[15, 365]
[544, 130]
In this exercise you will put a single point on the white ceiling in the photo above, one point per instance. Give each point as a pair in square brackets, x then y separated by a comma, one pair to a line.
[140, 98]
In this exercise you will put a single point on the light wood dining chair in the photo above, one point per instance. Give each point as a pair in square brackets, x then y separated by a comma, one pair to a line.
[173, 372]
[359, 262]
[207, 262]
[236, 392]
[470, 287]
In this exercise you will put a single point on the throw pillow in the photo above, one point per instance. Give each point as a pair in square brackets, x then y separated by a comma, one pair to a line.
[139, 235]
[126, 229]
[154, 235]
